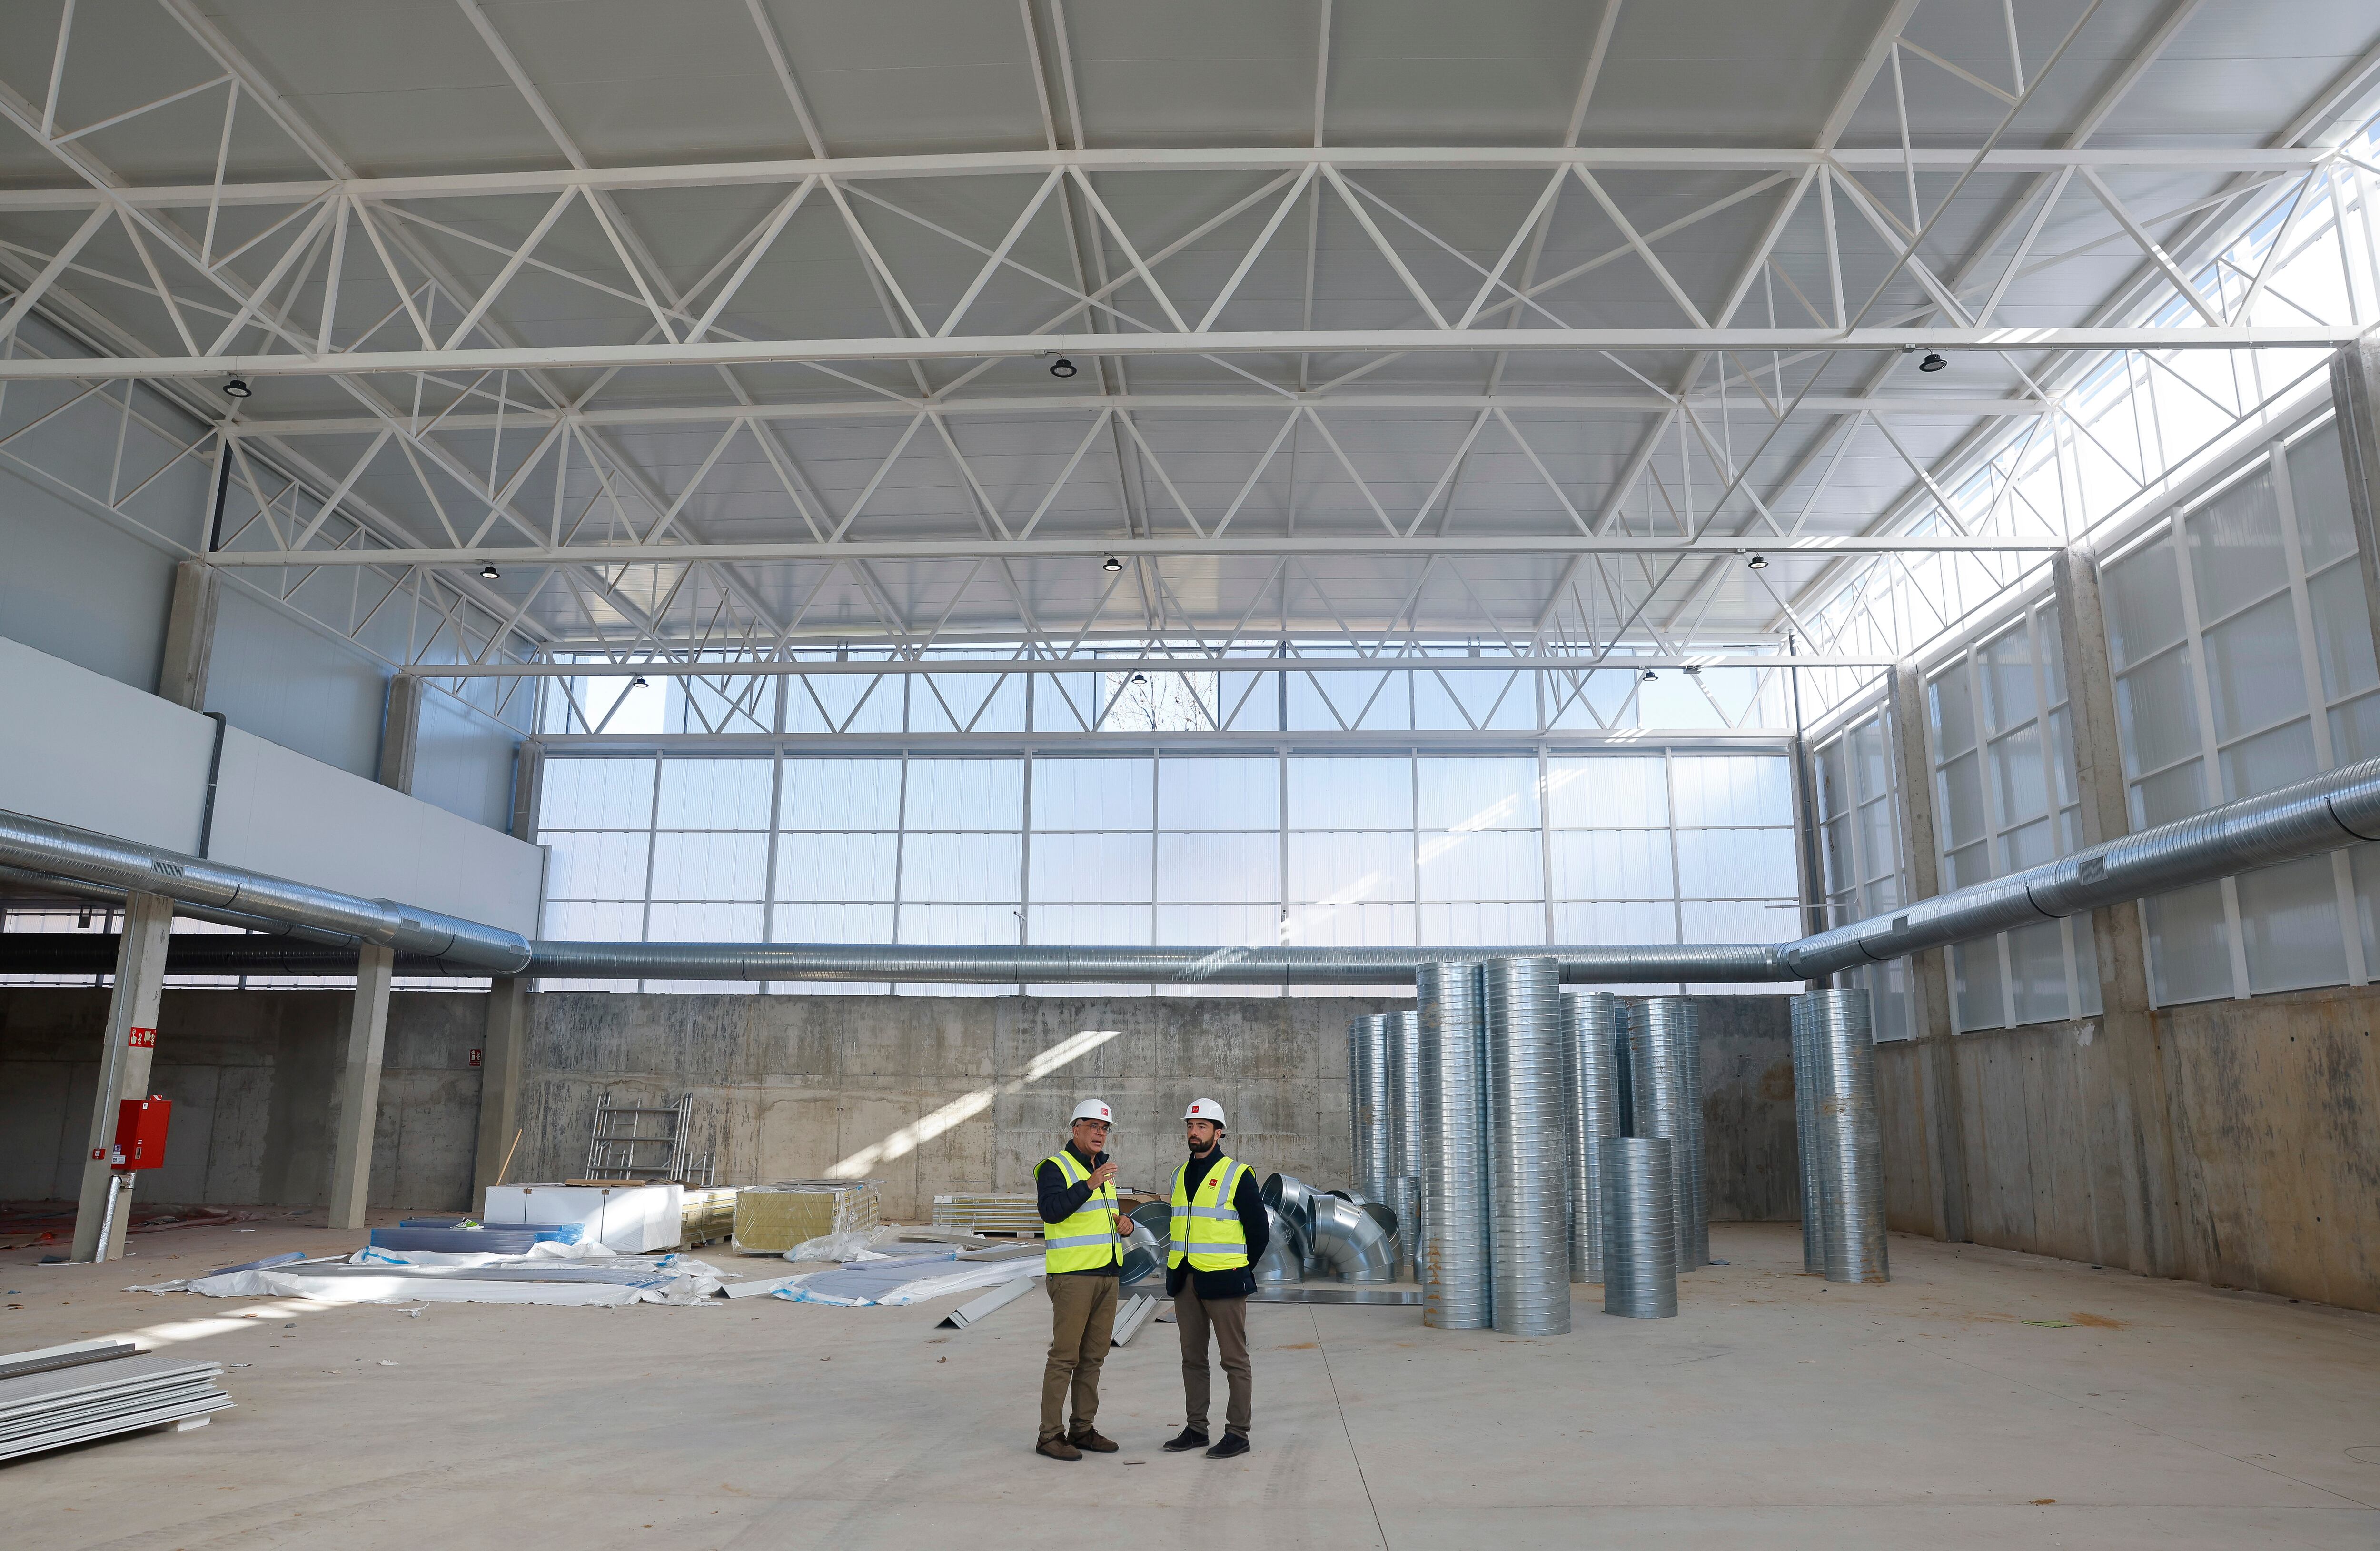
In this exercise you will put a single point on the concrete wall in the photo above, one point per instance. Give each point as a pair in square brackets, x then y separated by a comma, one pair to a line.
[929, 1093]
[2276, 1105]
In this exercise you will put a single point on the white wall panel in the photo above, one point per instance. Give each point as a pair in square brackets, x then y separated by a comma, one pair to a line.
[82, 748]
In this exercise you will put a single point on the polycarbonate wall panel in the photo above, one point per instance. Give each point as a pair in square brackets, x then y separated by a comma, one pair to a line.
[1860, 858]
[1369, 851]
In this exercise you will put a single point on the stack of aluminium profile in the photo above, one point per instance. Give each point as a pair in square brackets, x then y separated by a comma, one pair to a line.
[1455, 1289]
[1592, 1060]
[1406, 1140]
[75, 1393]
[1847, 1172]
[1528, 1147]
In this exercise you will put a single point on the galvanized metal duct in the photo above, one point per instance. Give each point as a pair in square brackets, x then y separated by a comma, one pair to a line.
[1528, 1148]
[2307, 819]
[1805, 1133]
[1283, 1261]
[101, 893]
[1405, 1148]
[43, 846]
[1455, 1292]
[1355, 1097]
[1377, 1107]
[1592, 1059]
[1349, 1243]
[1659, 1031]
[1640, 1243]
[1849, 1136]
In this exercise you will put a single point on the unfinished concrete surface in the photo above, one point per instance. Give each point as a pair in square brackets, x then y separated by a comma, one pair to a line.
[1777, 1411]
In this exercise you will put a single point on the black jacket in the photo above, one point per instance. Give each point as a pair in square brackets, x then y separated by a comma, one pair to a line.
[1058, 1201]
[1241, 1280]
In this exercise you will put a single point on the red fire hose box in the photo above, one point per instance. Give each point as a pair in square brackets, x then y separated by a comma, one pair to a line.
[141, 1133]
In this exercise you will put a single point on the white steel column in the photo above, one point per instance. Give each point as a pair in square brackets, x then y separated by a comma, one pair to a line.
[2355, 397]
[359, 1086]
[131, 1042]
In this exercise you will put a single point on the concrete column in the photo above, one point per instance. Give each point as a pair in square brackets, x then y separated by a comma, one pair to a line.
[359, 1086]
[2142, 1136]
[400, 737]
[501, 1064]
[1944, 1090]
[2355, 396]
[189, 634]
[528, 785]
[130, 1041]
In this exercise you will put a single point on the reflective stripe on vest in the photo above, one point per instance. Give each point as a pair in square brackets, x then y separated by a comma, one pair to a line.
[1085, 1242]
[1207, 1231]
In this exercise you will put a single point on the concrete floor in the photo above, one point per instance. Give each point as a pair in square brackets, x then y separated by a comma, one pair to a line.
[1932, 1414]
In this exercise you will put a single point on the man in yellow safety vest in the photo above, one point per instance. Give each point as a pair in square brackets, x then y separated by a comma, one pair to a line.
[1083, 1255]
[1220, 1231]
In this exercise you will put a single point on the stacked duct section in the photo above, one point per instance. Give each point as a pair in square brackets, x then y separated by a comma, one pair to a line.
[1528, 1147]
[1455, 1289]
[1639, 1275]
[1834, 1103]
[1406, 1140]
[1592, 1060]
[1375, 1122]
[1665, 1088]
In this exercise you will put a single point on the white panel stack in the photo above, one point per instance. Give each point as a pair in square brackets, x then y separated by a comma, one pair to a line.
[629, 1220]
[71, 1394]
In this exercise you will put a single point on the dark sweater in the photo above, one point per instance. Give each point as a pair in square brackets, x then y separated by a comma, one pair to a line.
[1058, 1201]
[1240, 1281]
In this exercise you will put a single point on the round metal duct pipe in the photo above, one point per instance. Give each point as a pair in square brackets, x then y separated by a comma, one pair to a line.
[1375, 1105]
[1850, 1138]
[1283, 1261]
[1660, 1040]
[1592, 1058]
[1528, 1148]
[1405, 1148]
[1455, 1293]
[1349, 1243]
[1805, 1133]
[1293, 1199]
[1640, 1243]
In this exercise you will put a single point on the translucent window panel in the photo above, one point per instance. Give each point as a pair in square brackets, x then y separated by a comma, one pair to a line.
[2053, 655]
[1456, 699]
[1219, 793]
[1611, 863]
[733, 705]
[1976, 987]
[1835, 846]
[1220, 867]
[960, 868]
[597, 795]
[1067, 702]
[1871, 760]
[2318, 491]
[2028, 845]
[965, 795]
[836, 866]
[2020, 786]
[1219, 926]
[1733, 790]
[1373, 702]
[1092, 925]
[2268, 760]
[1092, 794]
[831, 923]
[1482, 864]
[1350, 867]
[2254, 676]
[2038, 962]
[596, 866]
[2288, 923]
[2236, 557]
[1587, 921]
[1953, 708]
[966, 703]
[1739, 920]
[1834, 781]
[2190, 946]
[2061, 756]
[1350, 795]
[2171, 794]
[965, 925]
[1960, 785]
[1675, 701]
[595, 920]
[715, 794]
[1878, 839]
[2363, 864]
[1609, 792]
[2342, 631]
[2355, 730]
[709, 866]
[1735, 864]
[843, 703]
[707, 921]
[1248, 702]
[1969, 864]
[1478, 793]
[1083, 868]
[2156, 714]
[2011, 693]
[1483, 923]
[840, 795]
[1350, 924]
[2142, 598]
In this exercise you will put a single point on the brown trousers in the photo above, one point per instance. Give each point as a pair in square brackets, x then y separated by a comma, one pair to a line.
[1228, 1317]
[1083, 1311]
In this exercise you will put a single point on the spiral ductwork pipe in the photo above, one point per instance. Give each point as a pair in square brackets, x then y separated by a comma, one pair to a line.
[1591, 1061]
[1640, 1242]
[1658, 1029]
[1376, 1109]
[1805, 1133]
[1455, 1293]
[1528, 1148]
[1405, 1148]
[1351, 1244]
[1849, 1136]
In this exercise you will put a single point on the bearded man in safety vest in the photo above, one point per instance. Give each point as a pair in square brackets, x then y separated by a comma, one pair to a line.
[1220, 1231]
[1082, 1247]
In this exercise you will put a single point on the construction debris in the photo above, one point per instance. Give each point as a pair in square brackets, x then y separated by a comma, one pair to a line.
[910, 1279]
[584, 1276]
[999, 1298]
[73, 1394]
[1134, 1315]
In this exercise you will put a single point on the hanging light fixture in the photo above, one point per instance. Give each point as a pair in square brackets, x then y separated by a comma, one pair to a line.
[237, 388]
[488, 573]
[1650, 675]
[1062, 366]
[1935, 361]
[1111, 563]
[639, 682]
[1757, 563]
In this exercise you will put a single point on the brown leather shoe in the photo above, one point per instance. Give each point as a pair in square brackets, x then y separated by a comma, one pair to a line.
[1092, 1439]
[1057, 1449]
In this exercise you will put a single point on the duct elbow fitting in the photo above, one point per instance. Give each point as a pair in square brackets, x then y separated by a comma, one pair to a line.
[1349, 1243]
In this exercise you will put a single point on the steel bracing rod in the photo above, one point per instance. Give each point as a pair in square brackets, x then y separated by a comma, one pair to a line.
[723, 669]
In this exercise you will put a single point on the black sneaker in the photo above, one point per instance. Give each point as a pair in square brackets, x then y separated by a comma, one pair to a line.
[1231, 1447]
[1191, 1437]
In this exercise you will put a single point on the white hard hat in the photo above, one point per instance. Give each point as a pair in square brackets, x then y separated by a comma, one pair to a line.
[1093, 1110]
[1205, 1109]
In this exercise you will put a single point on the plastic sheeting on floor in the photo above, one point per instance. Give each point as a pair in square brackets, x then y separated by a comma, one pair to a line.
[580, 1275]
[891, 1283]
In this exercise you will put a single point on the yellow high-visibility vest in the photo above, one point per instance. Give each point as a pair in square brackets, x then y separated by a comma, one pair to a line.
[1086, 1241]
[1208, 1230]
